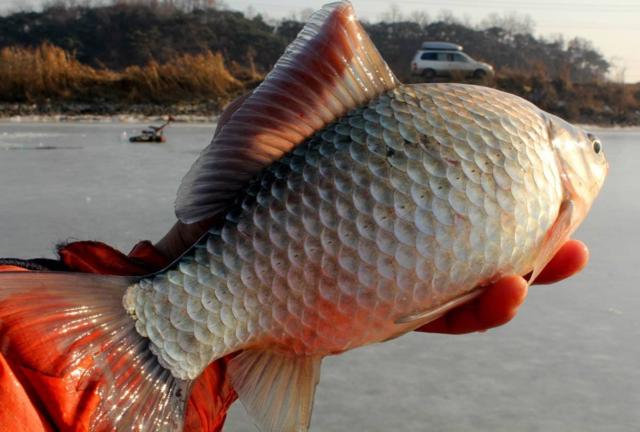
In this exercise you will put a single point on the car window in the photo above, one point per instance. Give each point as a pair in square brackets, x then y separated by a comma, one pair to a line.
[459, 58]
[429, 56]
[443, 57]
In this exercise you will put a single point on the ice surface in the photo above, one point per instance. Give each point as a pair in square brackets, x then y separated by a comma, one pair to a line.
[568, 362]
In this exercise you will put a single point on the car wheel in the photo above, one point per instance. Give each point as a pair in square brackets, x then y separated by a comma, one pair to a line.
[479, 74]
[429, 73]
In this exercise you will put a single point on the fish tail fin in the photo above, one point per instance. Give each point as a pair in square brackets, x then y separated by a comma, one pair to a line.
[67, 324]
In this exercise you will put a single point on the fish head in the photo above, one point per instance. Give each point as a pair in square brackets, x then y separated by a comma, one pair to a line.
[581, 161]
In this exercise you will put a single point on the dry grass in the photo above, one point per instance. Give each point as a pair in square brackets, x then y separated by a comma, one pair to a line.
[50, 73]
[44, 72]
[596, 102]
[189, 77]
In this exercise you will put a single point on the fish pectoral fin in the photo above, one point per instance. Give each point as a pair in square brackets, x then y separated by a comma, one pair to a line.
[424, 317]
[276, 389]
[555, 237]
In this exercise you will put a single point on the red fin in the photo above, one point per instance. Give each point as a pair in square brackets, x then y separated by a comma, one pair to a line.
[72, 322]
[555, 238]
[331, 68]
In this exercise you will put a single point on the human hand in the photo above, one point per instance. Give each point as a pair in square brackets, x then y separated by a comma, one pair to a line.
[499, 302]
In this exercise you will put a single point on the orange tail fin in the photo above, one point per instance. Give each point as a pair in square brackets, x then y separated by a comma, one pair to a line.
[79, 323]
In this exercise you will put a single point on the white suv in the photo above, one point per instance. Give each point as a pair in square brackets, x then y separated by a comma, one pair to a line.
[444, 58]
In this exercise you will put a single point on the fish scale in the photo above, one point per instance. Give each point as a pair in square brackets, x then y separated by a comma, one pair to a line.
[398, 207]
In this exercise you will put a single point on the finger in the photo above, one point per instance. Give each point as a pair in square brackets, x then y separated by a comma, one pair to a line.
[497, 305]
[569, 260]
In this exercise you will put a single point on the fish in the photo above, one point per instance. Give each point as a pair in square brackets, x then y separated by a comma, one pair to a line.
[353, 209]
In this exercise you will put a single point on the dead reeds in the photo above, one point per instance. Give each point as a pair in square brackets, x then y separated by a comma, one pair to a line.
[51, 73]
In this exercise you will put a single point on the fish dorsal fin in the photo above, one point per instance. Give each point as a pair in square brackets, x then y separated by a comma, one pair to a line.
[329, 69]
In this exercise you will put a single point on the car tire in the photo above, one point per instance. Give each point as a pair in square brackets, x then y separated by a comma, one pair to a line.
[479, 74]
[429, 74]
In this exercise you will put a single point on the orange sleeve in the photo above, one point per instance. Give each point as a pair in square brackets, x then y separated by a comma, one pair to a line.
[30, 400]
[18, 412]
[10, 268]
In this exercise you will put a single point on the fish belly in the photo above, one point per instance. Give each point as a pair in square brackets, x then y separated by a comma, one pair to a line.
[395, 209]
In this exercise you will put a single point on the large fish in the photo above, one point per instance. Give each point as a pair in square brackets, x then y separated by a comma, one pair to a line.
[356, 209]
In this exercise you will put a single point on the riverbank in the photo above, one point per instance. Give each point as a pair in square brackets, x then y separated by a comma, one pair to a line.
[50, 83]
[189, 113]
[600, 104]
[106, 113]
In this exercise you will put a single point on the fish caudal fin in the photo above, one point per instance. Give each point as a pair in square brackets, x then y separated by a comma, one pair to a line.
[331, 68]
[67, 324]
[277, 390]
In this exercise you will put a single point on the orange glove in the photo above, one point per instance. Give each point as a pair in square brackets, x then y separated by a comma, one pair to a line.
[31, 401]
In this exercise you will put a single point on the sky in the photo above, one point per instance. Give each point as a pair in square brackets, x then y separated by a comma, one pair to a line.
[613, 26]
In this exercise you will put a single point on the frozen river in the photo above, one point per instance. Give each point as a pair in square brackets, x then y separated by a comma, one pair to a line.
[569, 362]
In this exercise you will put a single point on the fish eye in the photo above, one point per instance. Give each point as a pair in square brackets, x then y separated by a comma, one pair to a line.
[597, 146]
[595, 142]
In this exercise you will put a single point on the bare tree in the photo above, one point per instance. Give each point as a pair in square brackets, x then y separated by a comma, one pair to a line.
[59, 4]
[18, 6]
[556, 39]
[446, 16]
[420, 17]
[618, 70]
[586, 61]
[251, 12]
[393, 15]
[513, 23]
[186, 5]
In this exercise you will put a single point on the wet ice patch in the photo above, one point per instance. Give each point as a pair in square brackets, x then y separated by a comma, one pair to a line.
[29, 135]
[40, 146]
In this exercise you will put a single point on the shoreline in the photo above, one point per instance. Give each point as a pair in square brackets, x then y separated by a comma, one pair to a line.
[76, 112]
[96, 118]
[136, 118]
[195, 113]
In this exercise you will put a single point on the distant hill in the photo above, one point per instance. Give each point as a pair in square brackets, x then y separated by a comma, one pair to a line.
[133, 34]
[133, 53]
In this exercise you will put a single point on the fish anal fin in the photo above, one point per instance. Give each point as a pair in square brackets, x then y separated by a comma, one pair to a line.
[276, 389]
[554, 238]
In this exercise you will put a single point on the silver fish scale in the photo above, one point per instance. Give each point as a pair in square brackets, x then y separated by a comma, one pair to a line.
[396, 208]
